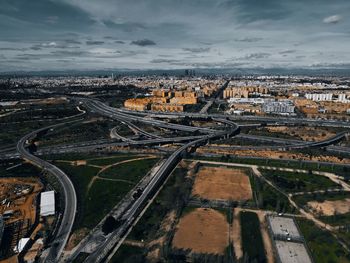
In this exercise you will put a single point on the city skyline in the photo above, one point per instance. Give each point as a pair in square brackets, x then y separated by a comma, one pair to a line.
[98, 35]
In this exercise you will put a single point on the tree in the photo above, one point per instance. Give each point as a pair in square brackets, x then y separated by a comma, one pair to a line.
[109, 225]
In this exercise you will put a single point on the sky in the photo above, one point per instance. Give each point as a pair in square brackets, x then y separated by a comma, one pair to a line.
[170, 34]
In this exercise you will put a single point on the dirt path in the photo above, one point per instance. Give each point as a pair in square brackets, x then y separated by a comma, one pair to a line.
[236, 234]
[125, 161]
[115, 180]
[93, 179]
[134, 243]
[76, 163]
[266, 237]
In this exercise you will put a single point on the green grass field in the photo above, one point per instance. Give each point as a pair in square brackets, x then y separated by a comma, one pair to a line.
[323, 246]
[130, 171]
[298, 182]
[96, 202]
[101, 198]
[172, 196]
[128, 254]
[112, 159]
[269, 198]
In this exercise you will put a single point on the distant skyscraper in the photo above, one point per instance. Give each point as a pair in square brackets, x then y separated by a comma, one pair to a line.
[189, 72]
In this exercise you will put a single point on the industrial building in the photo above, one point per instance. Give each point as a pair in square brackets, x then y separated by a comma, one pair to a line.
[47, 203]
[290, 252]
[288, 242]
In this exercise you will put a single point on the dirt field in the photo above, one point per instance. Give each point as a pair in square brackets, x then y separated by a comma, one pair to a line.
[236, 234]
[221, 183]
[304, 133]
[329, 208]
[202, 231]
[76, 237]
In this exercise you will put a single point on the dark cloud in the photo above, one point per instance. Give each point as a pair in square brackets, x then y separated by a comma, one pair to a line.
[72, 41]
[94, 42]
[197, 49]
[116, 39]
[28, 56]
[287, 51]
[12, 49]
[33, 18]
[186, 33]
[70, 53]
[143, 42]
[36, 47]
[162, 60]
[125, 26]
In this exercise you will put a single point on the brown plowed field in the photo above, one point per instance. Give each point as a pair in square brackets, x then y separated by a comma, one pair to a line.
[202, 231]
[221, 183]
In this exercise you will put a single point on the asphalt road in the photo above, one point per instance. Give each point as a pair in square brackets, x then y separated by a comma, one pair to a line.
[69, 195]
[268, 119]
[164, 171]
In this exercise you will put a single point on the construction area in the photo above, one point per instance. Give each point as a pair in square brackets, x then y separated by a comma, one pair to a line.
[288, 242]
[222, 183]
[18, 198]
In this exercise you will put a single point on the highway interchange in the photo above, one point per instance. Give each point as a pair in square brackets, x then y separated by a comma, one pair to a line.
[229, 129]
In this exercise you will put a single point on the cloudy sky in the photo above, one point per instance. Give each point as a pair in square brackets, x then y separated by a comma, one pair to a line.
[167, 34]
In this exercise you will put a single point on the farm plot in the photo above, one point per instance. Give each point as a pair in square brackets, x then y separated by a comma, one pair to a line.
[203, 231]
[222, 183]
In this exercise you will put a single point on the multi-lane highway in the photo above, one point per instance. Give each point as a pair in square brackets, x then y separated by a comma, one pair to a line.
[164, 171]
[289, 144]
[103, 109]
[246, 118]
[69, 195]
[128, 218]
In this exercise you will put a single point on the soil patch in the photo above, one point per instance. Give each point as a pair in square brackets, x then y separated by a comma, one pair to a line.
[202, 231]
[222, 183]
[329, 208]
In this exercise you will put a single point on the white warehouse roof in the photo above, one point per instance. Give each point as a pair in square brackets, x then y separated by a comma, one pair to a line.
[47, 203]
[21, 244]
